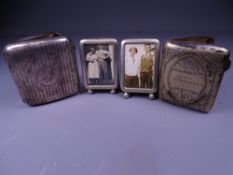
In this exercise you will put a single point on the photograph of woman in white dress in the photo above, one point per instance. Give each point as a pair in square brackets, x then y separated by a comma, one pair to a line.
[92, 67]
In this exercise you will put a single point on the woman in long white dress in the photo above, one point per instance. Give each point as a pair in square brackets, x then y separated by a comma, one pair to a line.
[93, 67]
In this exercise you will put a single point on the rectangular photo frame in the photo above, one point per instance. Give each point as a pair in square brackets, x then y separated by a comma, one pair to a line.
[139, 66]
[99, 64]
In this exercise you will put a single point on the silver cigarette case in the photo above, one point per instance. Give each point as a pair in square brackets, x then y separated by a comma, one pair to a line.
[191, 72]
[43, 67]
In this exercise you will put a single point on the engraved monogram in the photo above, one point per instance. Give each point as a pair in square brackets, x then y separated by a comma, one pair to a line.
[43, 73]
[47, 75]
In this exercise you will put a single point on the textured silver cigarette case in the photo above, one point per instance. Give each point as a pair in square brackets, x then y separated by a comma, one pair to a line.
[191, 72]
[43, 67]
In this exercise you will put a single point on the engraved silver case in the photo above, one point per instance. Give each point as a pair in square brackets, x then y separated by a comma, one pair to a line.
[100, 41]
[43, 67]
[151, 91]
[191, 72]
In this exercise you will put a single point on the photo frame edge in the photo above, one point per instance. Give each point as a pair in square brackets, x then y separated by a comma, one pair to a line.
[108, 41]
[156, 42]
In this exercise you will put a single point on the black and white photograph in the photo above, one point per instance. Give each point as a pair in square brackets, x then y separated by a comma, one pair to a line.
[139, 65]
[99, 63]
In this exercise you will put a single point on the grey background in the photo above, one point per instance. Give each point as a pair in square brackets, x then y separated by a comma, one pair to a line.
[25, 17]
[104, 134]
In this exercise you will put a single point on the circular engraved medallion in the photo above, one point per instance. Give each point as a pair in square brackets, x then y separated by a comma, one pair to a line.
[47, 75]
[186, 78]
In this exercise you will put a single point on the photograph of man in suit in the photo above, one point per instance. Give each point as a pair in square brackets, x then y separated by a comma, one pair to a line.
[104, 60]
[146, 67]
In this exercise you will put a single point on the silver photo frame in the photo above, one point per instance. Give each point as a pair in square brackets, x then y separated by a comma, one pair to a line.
[99, 64]
[139, 66]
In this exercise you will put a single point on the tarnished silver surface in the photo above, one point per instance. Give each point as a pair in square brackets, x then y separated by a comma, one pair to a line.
[43, 67]
[100, 41]
[191, 72]
[127, 91]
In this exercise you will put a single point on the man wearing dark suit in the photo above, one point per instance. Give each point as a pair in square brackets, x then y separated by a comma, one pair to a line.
[146, 72]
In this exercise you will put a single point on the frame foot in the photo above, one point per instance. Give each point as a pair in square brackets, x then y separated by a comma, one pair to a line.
[126, 95]
[90, 91]
[113, 91]
[151, 96]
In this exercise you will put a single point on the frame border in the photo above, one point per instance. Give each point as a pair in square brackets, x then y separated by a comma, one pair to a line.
[156, 65]
[109, 41]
